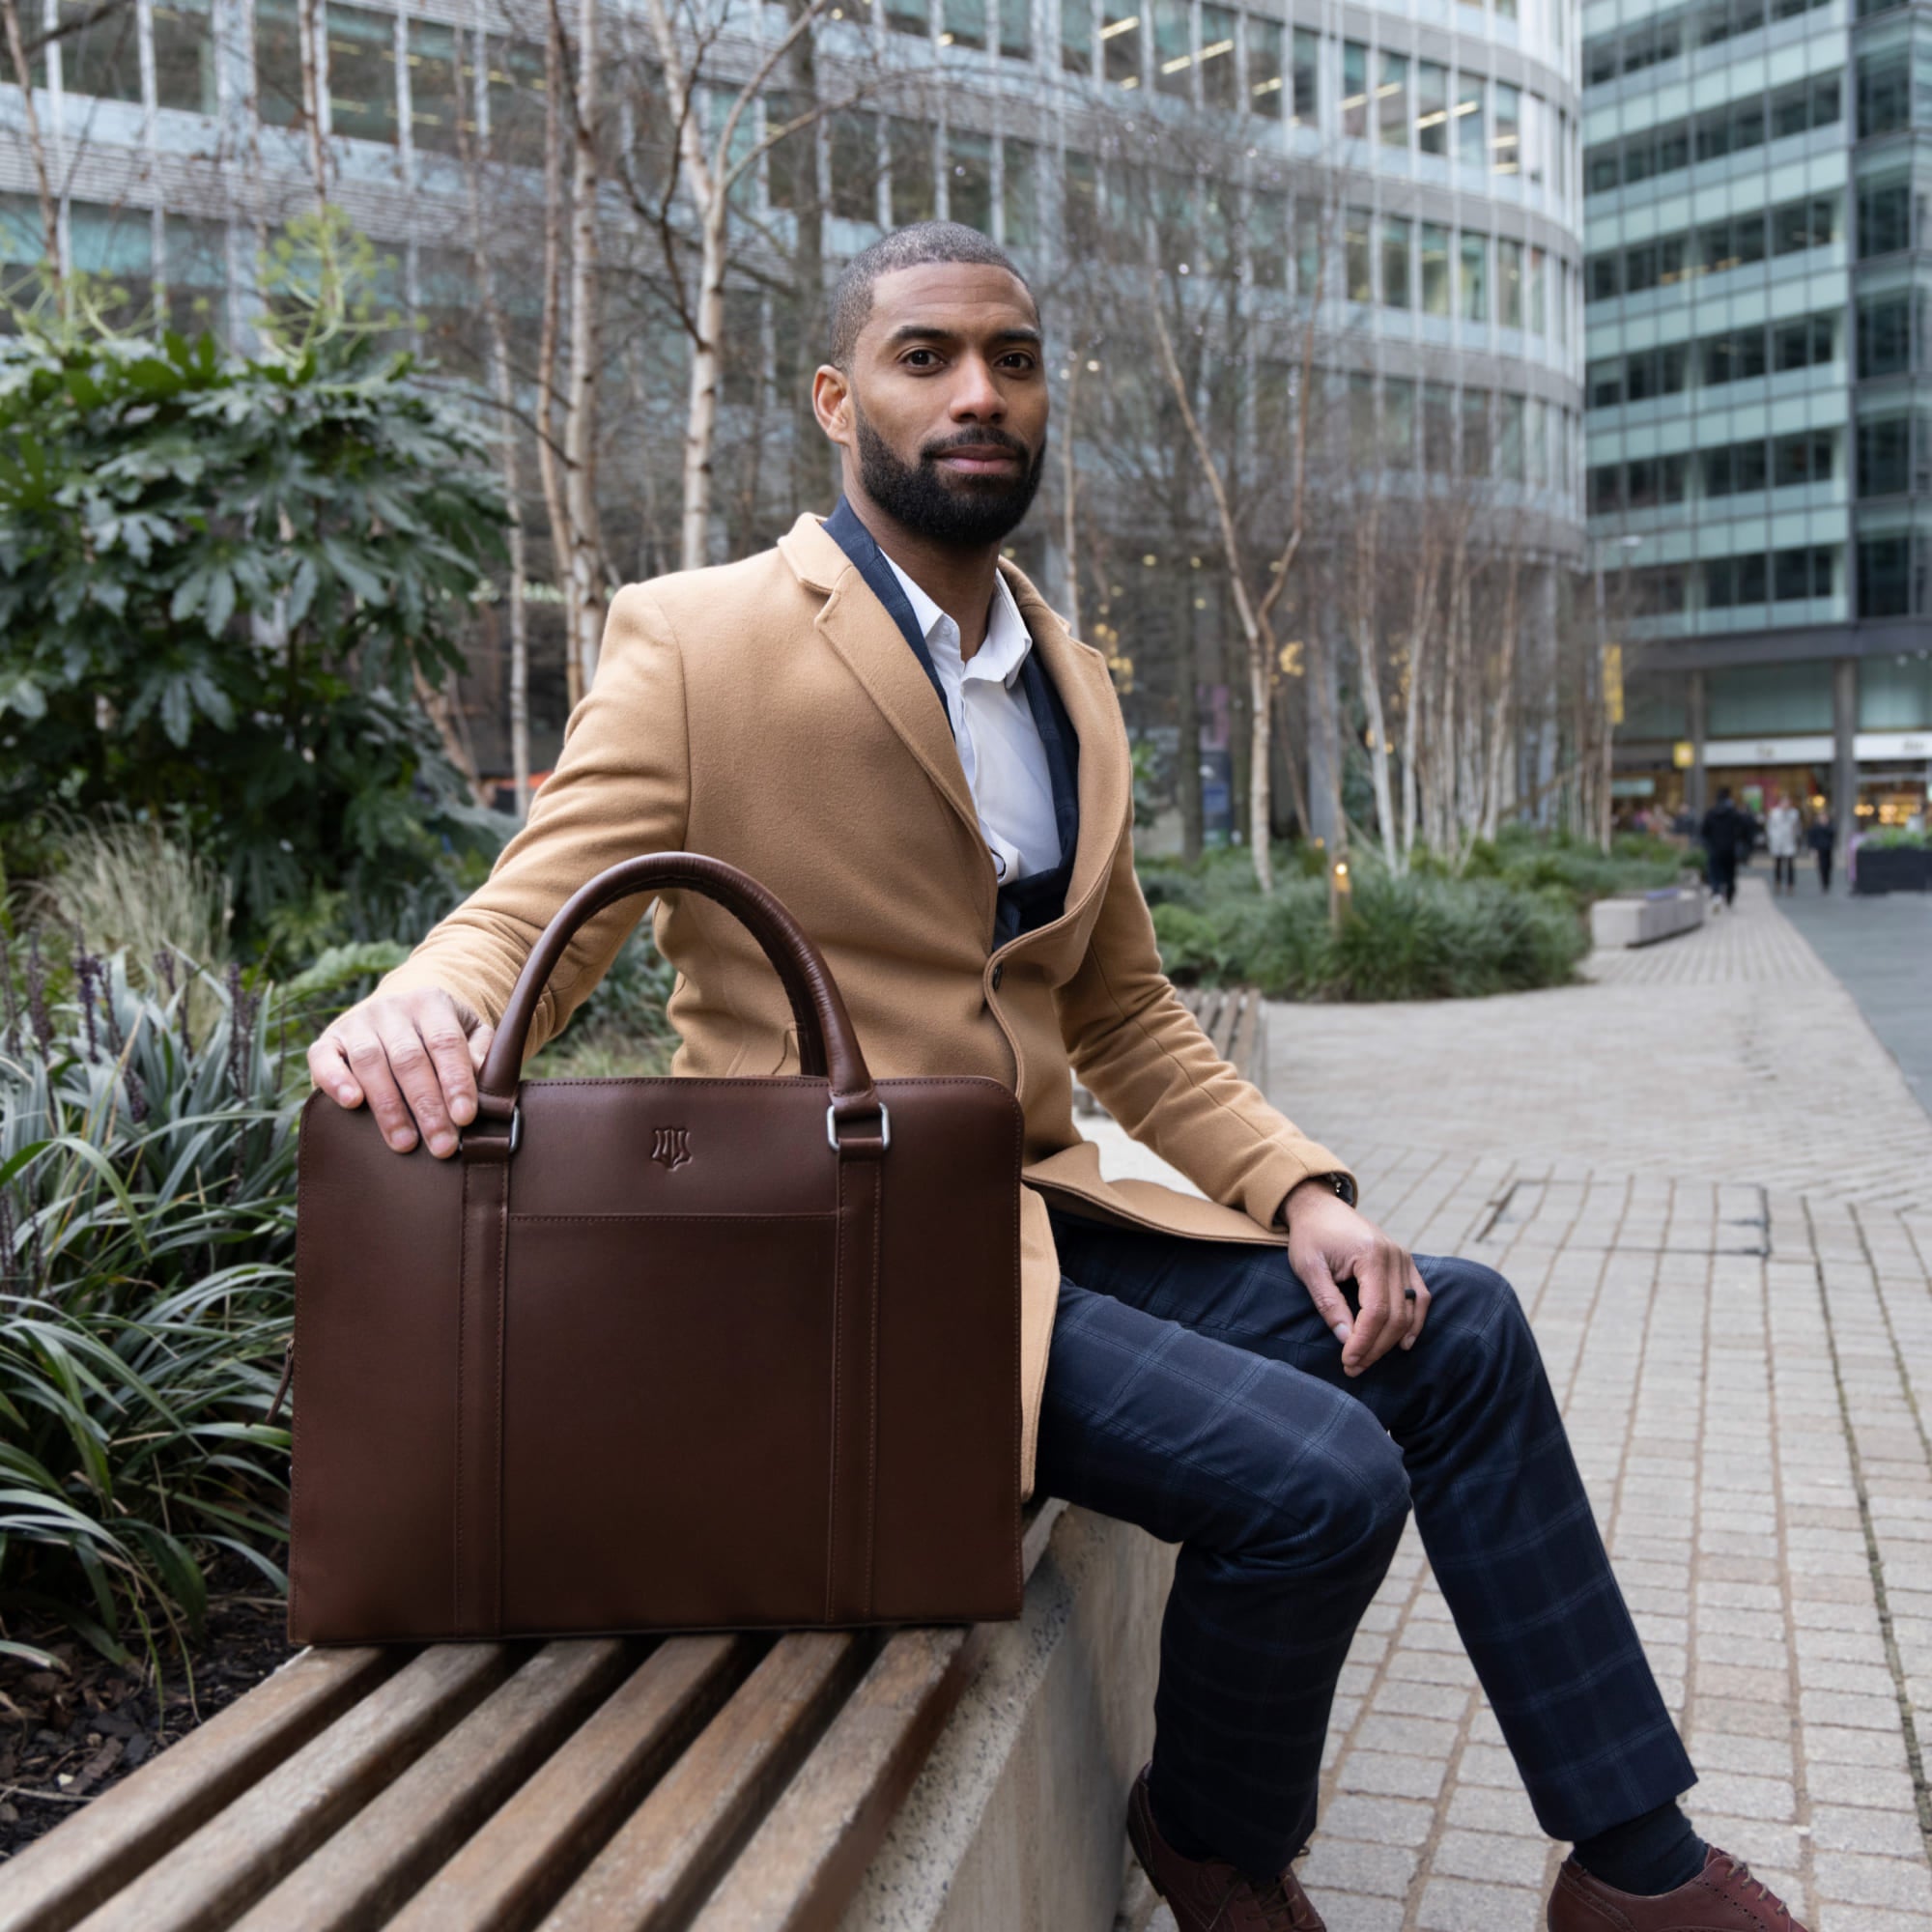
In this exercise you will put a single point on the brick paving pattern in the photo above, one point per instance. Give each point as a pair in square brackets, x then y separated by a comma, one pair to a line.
[1713, 1190]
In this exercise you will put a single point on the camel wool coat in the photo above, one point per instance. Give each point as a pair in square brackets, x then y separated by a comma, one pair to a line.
[770, 713]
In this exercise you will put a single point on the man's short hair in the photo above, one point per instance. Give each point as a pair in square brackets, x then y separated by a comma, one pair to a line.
[915, 246]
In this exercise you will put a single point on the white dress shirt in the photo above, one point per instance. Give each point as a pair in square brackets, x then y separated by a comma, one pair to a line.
[993, 726]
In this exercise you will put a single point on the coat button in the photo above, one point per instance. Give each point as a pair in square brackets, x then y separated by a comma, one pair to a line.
[997, 971]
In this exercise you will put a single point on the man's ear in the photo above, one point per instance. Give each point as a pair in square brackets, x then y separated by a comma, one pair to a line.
[832, 403]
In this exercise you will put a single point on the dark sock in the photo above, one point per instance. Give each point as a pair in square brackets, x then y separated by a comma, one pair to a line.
[1648, 1856]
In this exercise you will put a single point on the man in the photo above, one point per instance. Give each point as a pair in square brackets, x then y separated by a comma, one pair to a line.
[1781, 824]
[884, 723]
[1727, 836]
[1822, 836]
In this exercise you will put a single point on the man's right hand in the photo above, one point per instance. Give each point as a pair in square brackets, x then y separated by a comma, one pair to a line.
[414, 1057]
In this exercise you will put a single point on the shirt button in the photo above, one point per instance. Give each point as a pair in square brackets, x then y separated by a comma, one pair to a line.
[997, 971]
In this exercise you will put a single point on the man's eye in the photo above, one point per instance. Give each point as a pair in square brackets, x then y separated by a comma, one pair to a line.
[920, 357]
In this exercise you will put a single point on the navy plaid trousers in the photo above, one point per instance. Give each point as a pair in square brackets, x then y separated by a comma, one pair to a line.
[1193, 1389]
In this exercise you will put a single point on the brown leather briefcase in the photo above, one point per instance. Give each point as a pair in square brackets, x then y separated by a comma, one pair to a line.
[662, 1354]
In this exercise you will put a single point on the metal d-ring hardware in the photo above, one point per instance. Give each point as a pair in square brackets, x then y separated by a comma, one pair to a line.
[516, 1126]
[884, 1127]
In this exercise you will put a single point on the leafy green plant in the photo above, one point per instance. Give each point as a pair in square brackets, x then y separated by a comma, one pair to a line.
[1895, 839]
[222, 580]
[147, 1210]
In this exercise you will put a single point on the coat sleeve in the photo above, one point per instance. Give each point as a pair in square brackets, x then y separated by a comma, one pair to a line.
[621, 787]
[1145, 1058]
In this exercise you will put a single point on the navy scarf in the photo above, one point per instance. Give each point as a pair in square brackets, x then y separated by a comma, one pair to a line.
[1041, 898]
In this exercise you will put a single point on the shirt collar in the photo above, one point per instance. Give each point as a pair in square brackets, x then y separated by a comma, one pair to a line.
[1007, 643]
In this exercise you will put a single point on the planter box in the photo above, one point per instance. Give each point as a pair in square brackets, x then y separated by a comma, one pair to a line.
[1896, 868]
[1641, 919]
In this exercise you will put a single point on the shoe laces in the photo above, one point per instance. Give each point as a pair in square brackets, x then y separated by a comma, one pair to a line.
[1280, 1913]
[1744, 1875]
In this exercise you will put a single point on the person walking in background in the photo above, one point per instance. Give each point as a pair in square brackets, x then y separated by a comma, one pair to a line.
[1823, 840]
[1727, 835]
[1780, 835]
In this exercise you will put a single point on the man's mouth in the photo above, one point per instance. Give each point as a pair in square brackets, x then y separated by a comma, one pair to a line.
[980, 459]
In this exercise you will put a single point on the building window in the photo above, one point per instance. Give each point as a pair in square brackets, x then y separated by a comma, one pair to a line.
[1395, 234]
[1885, 217]
[1602, 280]
[1019, 193]
[1398, 423]
[1886, 577]
[1510, 460]
[1121, 43]
[278, 76]
[855, 167]
[1173, 56]
[1362, 421]
[1267, 240]
[1471, 142]
[1885, 93]
[1885, 456]
[1885, 335]
[1507, 140]
[915, 194]
[1220, 67]
[184, 56]
[1803, 224]
[1432, 107]
[1077, 35]
[1354, 90]
[1802, 343]
[1017, 29]
[1307, 69]
[1475, 415]
[100, 52]
[1804, 572]
[1603, 383]
[908, 17]
[1265, 79]
[1509, 283]
[1803, 458]
[964, 23]
[1358, 267]
[1536, 434]
[1435, 269]
[1392, 101]
[1438, 429]
[1473, 293]
[437, 121]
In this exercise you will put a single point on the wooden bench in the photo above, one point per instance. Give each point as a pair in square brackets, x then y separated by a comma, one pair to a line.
[724, 1783]
[1233, 1019]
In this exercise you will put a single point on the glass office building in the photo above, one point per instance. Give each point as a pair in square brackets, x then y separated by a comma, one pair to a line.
[1759, 473]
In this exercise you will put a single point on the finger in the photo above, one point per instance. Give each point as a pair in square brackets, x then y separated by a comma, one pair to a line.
[479, 1043]
[1316, 1277]
[328, 1069]
[442, 1034]
[1372, 1299]
[1418, 1308]
[415, 1074]
[369, 1064]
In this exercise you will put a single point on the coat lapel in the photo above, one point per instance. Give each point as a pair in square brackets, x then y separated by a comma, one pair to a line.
[863, 633]
[857, 627]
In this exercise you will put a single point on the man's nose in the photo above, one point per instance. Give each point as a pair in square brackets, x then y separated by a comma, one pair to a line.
[977, 397]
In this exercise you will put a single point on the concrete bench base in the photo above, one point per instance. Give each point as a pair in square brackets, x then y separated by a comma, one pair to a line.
[1017, 1821]
[1643, 921]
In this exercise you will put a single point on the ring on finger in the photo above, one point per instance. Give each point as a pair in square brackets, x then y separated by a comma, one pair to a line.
[1408, 1294]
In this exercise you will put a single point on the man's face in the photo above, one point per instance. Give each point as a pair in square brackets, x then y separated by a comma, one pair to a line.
[943, 410]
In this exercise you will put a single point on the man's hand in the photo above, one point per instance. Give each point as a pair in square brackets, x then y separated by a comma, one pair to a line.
[413, 1057]
[1328, 1242]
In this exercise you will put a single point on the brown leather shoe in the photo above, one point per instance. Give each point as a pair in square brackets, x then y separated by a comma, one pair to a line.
[1724, 1897]
[1208, 1894]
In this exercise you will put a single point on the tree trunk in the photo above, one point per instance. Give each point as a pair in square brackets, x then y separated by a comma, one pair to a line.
[702, 420]
[1187, 754]
[556, 505]
[580, 408]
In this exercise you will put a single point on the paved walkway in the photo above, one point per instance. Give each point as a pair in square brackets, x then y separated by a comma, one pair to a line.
[1713, 1189]
[1882, 948]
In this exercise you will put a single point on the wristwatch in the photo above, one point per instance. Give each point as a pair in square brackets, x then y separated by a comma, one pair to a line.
[1344, 1186]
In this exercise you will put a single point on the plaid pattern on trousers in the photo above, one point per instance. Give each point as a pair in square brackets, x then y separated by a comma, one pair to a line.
[1193, 1389]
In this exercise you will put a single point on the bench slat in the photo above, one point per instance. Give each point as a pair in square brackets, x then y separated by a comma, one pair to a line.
[670, 1850]
[355, 1879]
[1241, 1053]
[103, 1848]
[805, 1859]
[239, 1854]
[528, 1852]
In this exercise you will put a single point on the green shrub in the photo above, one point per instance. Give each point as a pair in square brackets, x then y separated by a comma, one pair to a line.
[1895, 839]
[1447, 939]
[147, 1209]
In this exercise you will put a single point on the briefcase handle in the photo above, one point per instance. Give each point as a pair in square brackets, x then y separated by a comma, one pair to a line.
[827, 1044]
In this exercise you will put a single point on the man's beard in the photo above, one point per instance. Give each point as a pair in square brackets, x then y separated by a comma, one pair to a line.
[964, 510]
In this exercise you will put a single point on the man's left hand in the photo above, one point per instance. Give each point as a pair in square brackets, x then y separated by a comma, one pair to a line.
[1329, 1242]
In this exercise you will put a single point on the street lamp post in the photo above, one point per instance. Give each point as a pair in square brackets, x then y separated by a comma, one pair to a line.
[1626, 544]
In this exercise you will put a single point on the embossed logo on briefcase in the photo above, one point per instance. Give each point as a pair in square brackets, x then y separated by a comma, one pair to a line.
[673, 1148]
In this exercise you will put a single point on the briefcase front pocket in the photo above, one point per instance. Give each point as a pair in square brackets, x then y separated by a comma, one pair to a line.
[683, 1396]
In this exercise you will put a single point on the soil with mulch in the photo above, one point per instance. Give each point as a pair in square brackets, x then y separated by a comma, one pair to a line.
[66, 1736]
